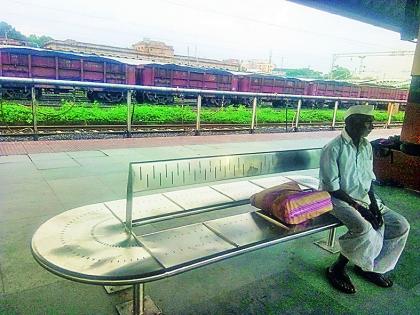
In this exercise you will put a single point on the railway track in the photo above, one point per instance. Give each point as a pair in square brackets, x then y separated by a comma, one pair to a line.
[16, 131]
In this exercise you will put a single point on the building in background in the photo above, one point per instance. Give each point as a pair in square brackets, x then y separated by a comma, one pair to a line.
[147, 50]
[154, 48]
[11, 41]
[256, 65]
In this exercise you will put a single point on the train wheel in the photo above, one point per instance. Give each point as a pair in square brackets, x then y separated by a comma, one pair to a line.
[16, 93]
[151, 97]
[91, 96]
[278, 103]
[170, 100]
[217, 101]
[165, 99]
[113, 97]
[247, 102]
[139, 97]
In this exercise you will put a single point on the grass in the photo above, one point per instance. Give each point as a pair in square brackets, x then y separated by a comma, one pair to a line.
[13, 113]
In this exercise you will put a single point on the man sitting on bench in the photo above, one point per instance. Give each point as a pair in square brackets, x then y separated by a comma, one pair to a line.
[376, 235]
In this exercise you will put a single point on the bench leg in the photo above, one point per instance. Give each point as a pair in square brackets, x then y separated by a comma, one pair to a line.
[330, 244]
[138, 299]
[140, 305]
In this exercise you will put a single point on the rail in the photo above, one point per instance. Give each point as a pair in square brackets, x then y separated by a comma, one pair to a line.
[194, 92]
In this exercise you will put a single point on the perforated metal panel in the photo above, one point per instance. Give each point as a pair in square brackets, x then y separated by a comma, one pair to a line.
[270, 181]
[304, 181]
[239, 190]
[197, 197]
[163, 174]
[177, 246]
[89, 243]
[144, 207]
[245, 229]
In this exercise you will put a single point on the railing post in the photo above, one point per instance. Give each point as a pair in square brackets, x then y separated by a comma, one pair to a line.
[390, 110]
[254, 115]
[129, 113]
[197, 126]
[129, 202]
[34, 113]
[334, 115]
[299, 105]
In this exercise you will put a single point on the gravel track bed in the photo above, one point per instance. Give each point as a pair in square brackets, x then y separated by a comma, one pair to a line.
[99, 135]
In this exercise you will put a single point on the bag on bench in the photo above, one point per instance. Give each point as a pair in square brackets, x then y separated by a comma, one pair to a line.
[292, 205]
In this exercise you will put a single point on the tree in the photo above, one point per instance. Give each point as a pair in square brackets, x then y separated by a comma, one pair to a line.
[38, 41]
[303, 73]
[8, 31]
[339, 73]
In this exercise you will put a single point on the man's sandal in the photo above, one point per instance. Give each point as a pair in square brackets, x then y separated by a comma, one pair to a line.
[341, 281]
[377, 278]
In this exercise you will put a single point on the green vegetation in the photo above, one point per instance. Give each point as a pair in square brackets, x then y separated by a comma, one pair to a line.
[8, 31]
[302, 73]
[340, 73]
[91, 114]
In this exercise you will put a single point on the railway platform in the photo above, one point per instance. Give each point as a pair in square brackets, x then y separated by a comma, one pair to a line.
[40, 179]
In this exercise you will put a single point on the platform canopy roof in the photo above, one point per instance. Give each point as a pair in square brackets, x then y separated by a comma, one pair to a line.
[401, 16]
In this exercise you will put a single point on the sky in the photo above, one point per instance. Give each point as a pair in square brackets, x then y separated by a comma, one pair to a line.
[295, 36]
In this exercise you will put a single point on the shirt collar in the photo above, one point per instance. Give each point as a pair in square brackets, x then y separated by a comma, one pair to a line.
[349, 140]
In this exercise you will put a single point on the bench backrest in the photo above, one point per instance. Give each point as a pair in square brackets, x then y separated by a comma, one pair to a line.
[152, 175]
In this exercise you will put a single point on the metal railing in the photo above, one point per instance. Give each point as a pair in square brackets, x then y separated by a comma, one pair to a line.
[194, 92]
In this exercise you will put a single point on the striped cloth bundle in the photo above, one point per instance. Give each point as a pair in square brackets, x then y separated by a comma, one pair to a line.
[292, 205]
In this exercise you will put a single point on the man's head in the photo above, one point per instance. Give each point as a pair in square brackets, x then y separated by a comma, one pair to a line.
[359, 119]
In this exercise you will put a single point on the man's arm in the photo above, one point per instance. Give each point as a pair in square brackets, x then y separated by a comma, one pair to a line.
[366, 213]
[374, 206]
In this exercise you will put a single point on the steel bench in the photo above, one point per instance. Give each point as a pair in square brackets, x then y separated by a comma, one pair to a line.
[120, 242]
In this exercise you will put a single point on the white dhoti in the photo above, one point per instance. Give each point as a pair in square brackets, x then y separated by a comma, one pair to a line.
[372, 250]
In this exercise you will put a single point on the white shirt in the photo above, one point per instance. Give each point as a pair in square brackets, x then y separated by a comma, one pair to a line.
[343, 166]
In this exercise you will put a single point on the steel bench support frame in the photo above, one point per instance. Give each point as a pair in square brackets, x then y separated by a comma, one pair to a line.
[135, 175]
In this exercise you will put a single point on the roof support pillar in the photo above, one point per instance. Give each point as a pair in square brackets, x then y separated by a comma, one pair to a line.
[411, 128]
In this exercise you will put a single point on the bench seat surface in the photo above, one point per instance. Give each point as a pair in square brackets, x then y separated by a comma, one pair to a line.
[89, 244]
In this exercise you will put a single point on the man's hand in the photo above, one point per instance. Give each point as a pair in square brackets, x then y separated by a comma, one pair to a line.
[373, 207]
[369, 216]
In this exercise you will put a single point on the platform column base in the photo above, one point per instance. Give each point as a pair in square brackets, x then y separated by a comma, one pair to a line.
[116, 288]
[150, 307]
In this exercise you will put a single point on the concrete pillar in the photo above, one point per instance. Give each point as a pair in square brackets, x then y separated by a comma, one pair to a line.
[410, 132]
